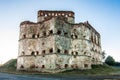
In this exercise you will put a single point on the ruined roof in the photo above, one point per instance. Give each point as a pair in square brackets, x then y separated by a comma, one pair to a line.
[26, 22]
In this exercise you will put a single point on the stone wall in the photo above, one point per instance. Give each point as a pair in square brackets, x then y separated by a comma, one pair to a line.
[56, 43]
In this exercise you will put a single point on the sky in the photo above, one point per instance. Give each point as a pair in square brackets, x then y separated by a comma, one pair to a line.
[103, 15]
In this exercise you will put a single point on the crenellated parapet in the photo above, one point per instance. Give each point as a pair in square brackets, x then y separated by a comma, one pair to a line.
[44, 14]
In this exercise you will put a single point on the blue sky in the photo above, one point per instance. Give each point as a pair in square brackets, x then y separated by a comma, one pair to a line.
[103, 15]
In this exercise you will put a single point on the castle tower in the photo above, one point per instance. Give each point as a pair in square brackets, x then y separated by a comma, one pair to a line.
[44, 15]
[55, 43]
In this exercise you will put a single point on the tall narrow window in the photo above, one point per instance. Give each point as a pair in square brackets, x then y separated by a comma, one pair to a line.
[33, 36]
[58, 50]
[37, 52]
[66, 65]
[33, 53]
[38, 35]
[66, 51]
[43, 51]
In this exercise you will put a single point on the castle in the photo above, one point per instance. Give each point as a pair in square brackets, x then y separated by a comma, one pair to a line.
[56, 43]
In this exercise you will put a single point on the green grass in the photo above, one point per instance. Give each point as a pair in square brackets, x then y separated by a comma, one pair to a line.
[10, 67]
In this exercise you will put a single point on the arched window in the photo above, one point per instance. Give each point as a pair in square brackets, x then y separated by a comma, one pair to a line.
[58, 50]
[72, 52]
[33, 53]
[43, 66]
[37, 52]
[51, 50]
[66, 65]
[76, 53]
[38, 35]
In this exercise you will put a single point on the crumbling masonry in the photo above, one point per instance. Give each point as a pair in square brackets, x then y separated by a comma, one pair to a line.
[56, 43]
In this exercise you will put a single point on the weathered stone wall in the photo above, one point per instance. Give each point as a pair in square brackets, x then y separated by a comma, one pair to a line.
[55, 43]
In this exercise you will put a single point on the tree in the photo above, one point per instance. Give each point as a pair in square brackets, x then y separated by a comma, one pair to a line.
[110, 61]
[103, 54]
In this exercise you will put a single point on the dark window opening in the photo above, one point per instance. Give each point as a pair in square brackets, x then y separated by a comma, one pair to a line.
[33, 36]
[59, 32]
[24, 36]
[38, 35]
[33, 53]
[43, 43]
[44, 33]
[43, 66]
[65, 33]
[51, 32]
[58, 50]
[72, 53]
[76, 53]
[36, 66]
[72, 66]
[74, 56]
[71, 36]
[21, 66]
[66, 65]
[51, 50]
[37, 52]
[66, 51]
[23, 53]
[76, 36]
[85, 53]
[32, 66]
[85, 65]
[43, 51]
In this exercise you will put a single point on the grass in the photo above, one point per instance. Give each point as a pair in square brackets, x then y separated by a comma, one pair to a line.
[10, 67]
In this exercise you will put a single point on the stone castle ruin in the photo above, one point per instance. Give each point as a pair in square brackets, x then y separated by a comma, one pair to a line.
[56, 43]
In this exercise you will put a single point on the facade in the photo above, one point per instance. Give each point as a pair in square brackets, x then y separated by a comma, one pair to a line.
[56, 43]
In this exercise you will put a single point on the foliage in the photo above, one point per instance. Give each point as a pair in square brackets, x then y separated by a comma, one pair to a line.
[110, 61]
[103, 54]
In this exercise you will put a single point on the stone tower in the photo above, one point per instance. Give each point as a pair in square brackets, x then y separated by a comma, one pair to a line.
[56, 43]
